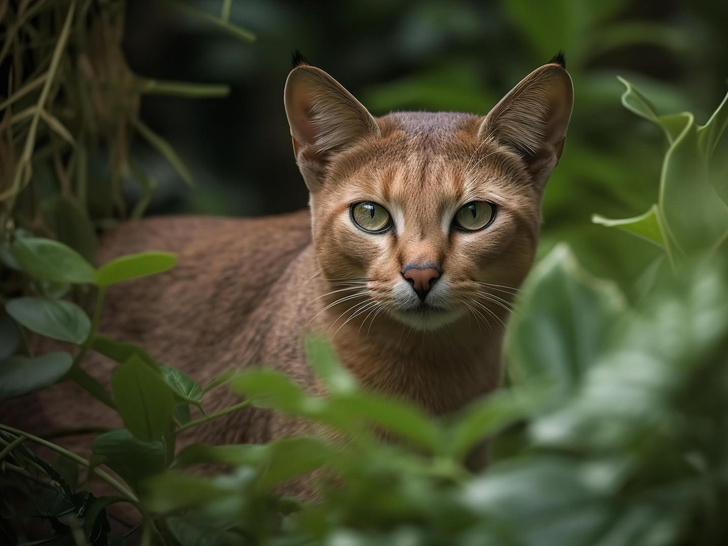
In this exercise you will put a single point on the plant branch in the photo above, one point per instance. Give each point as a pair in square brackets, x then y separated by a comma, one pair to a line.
[80, 460]
[212, 416]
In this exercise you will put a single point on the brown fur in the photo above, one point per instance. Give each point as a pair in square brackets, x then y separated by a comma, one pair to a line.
[246, 292]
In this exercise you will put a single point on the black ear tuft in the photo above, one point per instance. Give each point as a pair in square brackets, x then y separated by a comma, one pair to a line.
[299, 59]
[559, 58]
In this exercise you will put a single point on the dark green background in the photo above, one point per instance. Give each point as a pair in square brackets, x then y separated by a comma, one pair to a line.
[430, 55]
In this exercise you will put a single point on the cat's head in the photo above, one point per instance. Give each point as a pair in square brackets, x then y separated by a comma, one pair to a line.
[428, 216]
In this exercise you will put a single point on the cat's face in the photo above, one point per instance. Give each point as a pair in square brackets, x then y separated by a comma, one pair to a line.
[428, 218]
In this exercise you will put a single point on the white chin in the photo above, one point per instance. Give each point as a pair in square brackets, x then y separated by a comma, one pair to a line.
[426, 320]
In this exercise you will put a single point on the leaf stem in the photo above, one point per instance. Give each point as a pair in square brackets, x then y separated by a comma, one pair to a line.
[80, 460]
[76, 373]
[212, 416]
[12, 445]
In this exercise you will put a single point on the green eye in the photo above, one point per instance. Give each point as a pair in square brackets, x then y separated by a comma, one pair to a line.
[475, 216]
[370, 217]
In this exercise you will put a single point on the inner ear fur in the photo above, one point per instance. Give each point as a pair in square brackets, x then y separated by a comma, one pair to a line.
[533, 117]
[324, 119]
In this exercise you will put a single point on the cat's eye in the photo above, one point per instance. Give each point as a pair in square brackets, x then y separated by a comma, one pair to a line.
[370, 217]
[475, 216]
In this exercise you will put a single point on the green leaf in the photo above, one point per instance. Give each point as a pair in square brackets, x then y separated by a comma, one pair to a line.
[56, 319]
[21, 375]
[9, 336]
[49, 260]
[135, 266]
[68, 469]
[182, 413]
[710, 133]
[91, 385]
[71, 226]
[173, 490]
[562, 323]
[164, 148]
[489, 415]
[224, 377]
[198, 531]
[182, 384]
[120, 352]
[144, 400]
[322, 358]
[636, 102]
[131, 458]
[685, 188]
[270, 389]
[398, 417]
[645, 226]
[277, 462]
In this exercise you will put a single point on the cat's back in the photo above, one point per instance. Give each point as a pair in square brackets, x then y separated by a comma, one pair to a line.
[225, 269]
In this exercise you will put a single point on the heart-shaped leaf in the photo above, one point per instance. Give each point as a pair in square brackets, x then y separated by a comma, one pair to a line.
[21, 375]
[56, 319]
[182, 384]
[49, 260]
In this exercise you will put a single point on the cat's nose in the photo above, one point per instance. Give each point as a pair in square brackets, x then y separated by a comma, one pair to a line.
[421, 277]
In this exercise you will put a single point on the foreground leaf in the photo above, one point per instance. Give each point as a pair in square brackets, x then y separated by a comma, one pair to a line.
[277, 462]
[135, 266]
[129, 457]
[565, 315]
[21, 375]
[709, 134]
[118, 351]
[270, 389]
[50, 260]
[144, 400]
[9, 336]
[645, 226]
[56, 319]
[685, 188]
[182, 384]
[322, 358]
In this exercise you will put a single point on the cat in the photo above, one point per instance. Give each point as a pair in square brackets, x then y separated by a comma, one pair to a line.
[420, 228]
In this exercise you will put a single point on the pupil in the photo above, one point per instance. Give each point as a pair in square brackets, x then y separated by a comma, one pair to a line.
[473, 209]
[371, 211]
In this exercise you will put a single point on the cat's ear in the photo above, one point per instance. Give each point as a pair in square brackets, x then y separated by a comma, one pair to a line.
[324, 119]
[533, 117]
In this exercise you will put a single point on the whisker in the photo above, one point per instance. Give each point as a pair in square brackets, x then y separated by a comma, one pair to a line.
[361, 310]
[476, 314]
[345, 311]
[362, 294]
[491, 313]
[372, 310]
[504, 304]
[334, 292]
[381, 308]
[500, 287]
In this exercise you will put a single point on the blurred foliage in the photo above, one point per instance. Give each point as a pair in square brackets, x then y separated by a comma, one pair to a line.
[611, 429]
[69, 119]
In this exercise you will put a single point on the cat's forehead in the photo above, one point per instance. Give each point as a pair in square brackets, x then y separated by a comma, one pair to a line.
[423, 159]
[430, 124]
